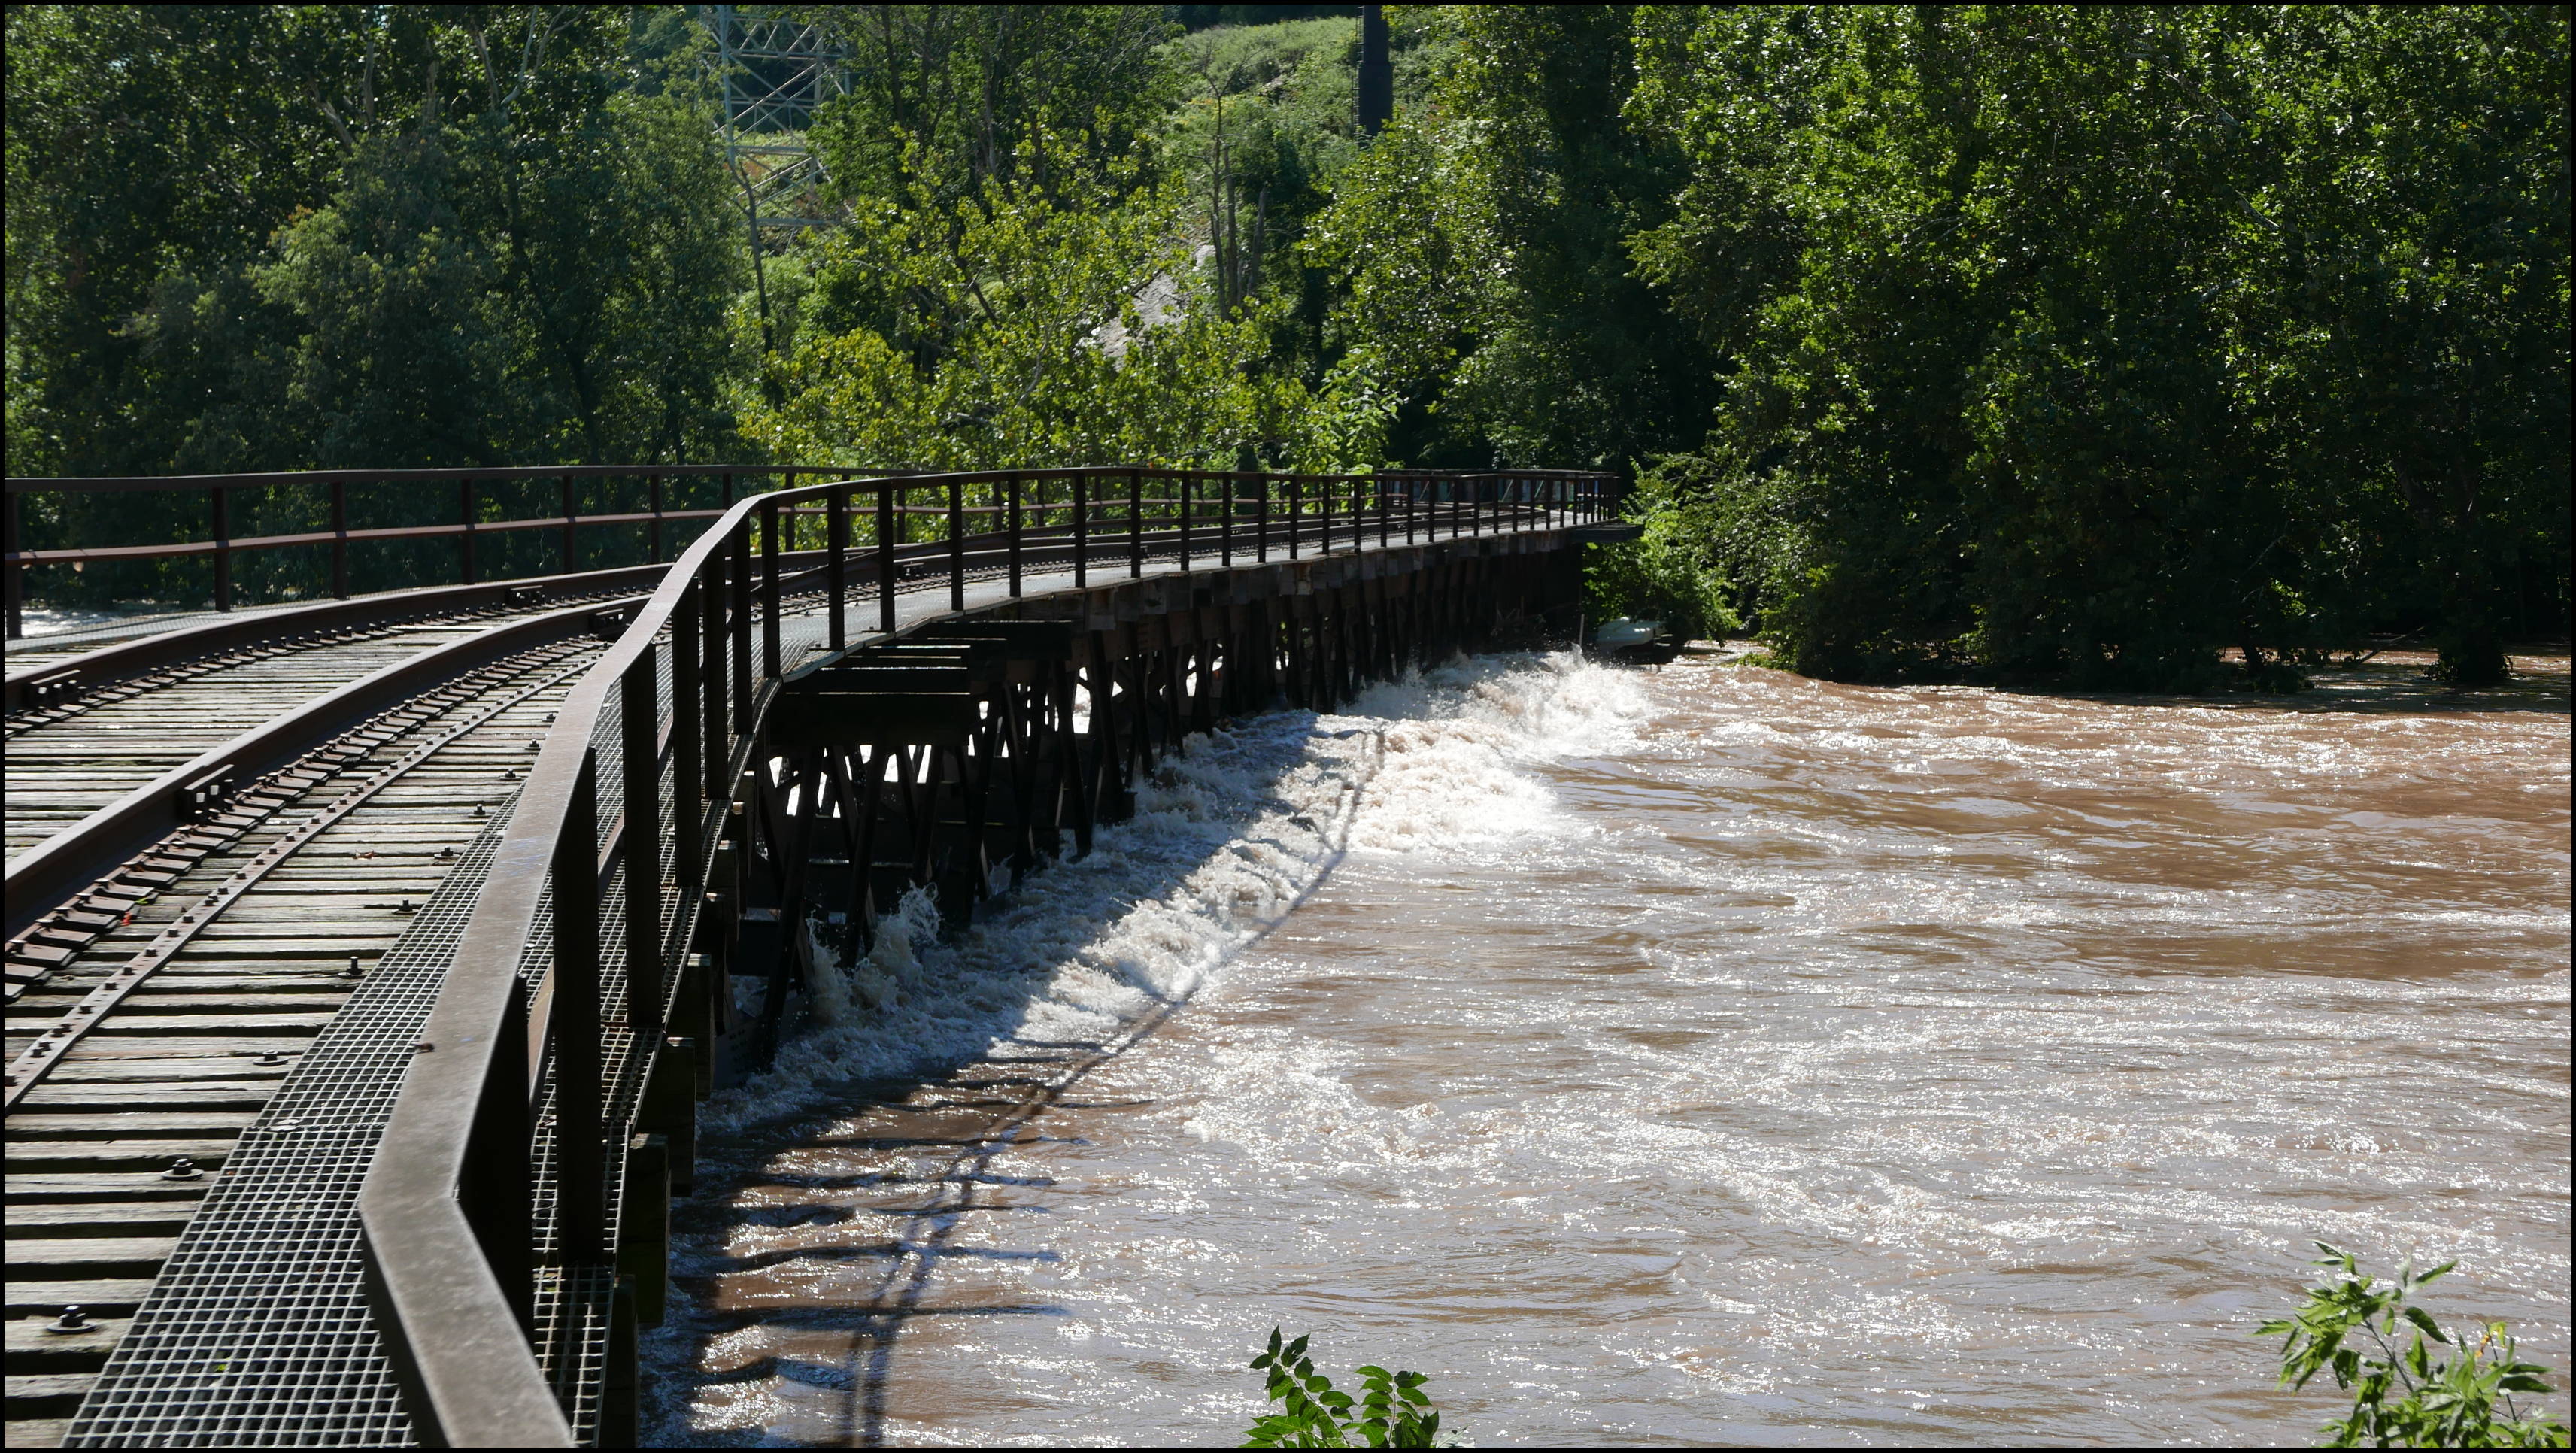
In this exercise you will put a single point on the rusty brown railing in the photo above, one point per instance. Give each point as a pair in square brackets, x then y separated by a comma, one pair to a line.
[466, 528]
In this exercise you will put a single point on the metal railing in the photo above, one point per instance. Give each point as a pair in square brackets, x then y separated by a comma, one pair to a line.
[466, 527]
[498, 1183]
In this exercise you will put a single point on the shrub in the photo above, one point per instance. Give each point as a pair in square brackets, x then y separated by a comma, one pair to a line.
[1665, 574]
[2418, 1398]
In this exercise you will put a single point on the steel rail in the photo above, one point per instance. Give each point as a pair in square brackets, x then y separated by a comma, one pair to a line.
[123, 660]
[447, 1200]
[47, 1050]
[42, 876]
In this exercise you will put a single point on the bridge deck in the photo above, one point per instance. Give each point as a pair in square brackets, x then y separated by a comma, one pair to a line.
[229, 1048]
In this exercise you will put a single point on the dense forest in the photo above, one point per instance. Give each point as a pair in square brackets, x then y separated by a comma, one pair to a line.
[2048, 342]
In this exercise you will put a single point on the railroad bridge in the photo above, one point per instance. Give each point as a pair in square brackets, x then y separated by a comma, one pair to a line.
[368, 956]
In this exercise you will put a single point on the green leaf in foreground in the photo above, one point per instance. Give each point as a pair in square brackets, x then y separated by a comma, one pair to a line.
[1391, 1412]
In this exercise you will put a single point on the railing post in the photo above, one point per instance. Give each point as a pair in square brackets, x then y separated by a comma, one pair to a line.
[956, 544]
[885, 557]
[724, 491]
[738, 571]
[222, 532]
[716, 739]
[688, 752]
[574, 1025]
[769, 588]
[836, 542]
[1294, 502]
[1261, 518]
[465, 541]
[339, 539]
[1135, 523]
[571, 551]
[1385, 526]
[1225, 523]
[1081, 527]
[1182, 484]
[17, 576]
[640, 774]
[653, 483]
[1015, 534]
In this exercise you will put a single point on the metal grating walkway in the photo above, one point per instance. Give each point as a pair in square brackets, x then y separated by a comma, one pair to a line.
[257, 1333]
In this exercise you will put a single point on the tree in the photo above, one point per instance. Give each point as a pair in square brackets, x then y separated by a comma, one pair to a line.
[945, 98]
[2044, 328]
[1020, 331]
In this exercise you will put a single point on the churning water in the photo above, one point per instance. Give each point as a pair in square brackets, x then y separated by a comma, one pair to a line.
[1704, 1055]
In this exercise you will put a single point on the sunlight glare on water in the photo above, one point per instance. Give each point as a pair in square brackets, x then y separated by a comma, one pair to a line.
[1703, 1055]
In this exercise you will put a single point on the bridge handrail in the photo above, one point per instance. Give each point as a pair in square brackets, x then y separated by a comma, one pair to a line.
[464, 528]
[448, 1206]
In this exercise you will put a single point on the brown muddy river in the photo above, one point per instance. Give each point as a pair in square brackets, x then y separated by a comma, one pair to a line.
[1697, 1056]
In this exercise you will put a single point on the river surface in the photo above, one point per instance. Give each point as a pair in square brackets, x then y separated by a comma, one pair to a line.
[1697, 1056]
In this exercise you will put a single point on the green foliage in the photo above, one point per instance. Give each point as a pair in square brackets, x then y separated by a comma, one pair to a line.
[2421, 1397]
[1021, 331]
[1667, 573]
[1268, 128]
[289, 237]
[2056, 342]
[2082, 342]
[1391, 1412]
[944, 99]
[1481, 242]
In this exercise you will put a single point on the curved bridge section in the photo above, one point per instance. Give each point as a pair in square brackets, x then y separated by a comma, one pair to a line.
[442, 1218]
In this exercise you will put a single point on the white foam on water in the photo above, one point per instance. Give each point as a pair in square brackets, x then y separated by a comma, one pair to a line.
[1458, 736]
[1229, 834]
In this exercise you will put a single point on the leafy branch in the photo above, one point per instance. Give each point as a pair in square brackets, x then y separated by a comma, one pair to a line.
[2417, 1397]
[1392, 1411]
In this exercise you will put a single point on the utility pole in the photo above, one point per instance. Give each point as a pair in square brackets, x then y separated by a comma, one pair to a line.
[1377, 71]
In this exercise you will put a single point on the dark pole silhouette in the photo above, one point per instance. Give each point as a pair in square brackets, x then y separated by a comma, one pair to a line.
[1377, 72]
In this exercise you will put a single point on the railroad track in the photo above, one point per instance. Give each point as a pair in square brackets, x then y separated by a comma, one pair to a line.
[76, 746]
[137, 1063]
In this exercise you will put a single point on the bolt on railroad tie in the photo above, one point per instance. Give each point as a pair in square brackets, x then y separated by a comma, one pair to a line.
[71, 1321]
[481, 811]
[271, 1059]
[353, 971]
[183, 1169]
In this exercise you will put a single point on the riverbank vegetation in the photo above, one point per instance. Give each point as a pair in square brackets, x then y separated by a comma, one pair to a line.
[2163, 347]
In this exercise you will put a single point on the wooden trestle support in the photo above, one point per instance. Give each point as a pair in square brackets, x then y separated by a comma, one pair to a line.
[969, 752]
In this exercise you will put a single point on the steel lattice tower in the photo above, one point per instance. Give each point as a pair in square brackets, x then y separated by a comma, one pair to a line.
[773, 74]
